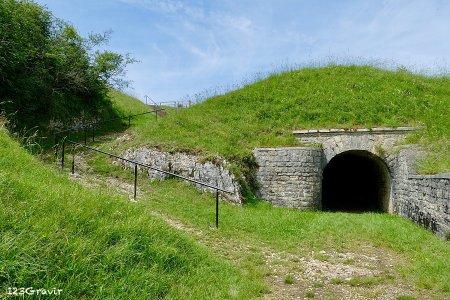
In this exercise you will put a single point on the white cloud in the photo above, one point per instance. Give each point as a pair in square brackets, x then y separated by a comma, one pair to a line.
[214, 43]
[170, 8]
[407, 31]
[241, 24]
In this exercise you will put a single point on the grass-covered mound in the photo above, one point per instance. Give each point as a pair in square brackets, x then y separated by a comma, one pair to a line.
[96, 245]
[266, 112]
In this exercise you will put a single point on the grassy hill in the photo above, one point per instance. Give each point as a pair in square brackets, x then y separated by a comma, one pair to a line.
[94, 244]
[265, 113]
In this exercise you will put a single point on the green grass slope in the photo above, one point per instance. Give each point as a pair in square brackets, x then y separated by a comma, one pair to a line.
[125, 105]
[266, 112]
[55, 233]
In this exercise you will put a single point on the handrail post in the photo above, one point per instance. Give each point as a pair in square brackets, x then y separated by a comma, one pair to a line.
[93, 133]
[217, 208]
[63, 152]
[135, 181]
[73, 159]
[55, 147]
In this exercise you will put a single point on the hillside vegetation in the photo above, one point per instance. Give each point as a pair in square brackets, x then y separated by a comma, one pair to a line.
[266, 112]
[126, 105]
[94, 244]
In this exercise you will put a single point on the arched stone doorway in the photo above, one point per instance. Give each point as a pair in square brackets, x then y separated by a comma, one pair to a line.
[356, 181]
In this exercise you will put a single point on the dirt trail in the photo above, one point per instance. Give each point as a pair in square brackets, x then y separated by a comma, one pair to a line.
[333, 276]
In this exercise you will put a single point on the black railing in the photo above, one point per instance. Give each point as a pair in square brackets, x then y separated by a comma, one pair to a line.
[176, 104]
[136, 164]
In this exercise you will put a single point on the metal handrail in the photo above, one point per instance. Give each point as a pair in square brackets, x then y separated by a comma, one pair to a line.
[148, 97]
[149, 167]
[159, 106]
[136, 163]
[176, 104]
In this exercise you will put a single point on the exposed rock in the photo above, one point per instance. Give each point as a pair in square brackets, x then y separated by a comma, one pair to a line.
[191, 166]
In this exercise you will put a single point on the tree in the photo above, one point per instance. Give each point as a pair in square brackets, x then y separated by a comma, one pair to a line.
[111, 68]
[48, 71]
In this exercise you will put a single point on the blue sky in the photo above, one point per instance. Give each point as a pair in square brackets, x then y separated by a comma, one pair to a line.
[185, 47]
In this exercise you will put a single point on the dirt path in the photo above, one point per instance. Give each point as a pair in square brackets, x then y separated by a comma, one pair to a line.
[323, 275]
[331, 275]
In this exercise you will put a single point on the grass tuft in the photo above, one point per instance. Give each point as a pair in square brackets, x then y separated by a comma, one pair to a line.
[405, 297]
[289, 279]
[309, 294]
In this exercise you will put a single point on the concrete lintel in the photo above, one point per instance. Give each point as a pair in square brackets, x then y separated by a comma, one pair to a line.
[340, 131]
[445, 176]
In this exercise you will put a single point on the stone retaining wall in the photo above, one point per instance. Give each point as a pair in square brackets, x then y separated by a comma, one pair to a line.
[189, 166]
[425, 199]
[290, 177]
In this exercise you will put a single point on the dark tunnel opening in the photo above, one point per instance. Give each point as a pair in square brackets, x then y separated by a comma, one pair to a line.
[356, 181]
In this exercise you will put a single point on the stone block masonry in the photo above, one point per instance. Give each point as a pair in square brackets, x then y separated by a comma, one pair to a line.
[425, 199]
[290, 177]
[335, 141]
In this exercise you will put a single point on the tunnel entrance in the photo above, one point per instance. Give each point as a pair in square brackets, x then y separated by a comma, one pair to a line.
[356, 181]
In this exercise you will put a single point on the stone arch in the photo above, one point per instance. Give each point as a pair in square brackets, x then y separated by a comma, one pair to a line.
[356, 180]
